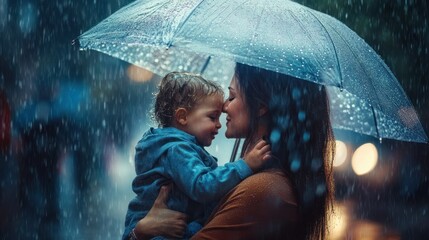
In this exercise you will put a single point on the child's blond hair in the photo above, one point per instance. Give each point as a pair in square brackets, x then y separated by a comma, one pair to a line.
[181, 89]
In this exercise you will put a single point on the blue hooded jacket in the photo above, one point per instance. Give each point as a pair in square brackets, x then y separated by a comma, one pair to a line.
[167, 155]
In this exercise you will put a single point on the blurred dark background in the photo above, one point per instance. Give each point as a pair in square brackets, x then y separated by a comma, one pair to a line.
[71, 118]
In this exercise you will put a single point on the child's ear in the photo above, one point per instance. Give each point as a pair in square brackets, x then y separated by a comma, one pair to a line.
[181, 116]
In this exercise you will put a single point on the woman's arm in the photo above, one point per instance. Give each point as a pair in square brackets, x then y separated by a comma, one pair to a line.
[161, 221]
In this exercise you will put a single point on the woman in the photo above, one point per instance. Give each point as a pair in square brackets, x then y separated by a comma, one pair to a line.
[291, 197]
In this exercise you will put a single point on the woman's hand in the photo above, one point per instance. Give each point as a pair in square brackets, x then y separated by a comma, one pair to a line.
[161, 221]
[258, 155]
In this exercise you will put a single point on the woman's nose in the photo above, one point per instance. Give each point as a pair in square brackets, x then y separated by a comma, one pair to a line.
[225, 105]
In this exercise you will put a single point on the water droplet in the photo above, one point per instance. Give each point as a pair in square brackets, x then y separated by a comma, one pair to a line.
[316, 164]
[306, 136]
[321, 189]
[301, 116]
[296, 94]
[295, 165]
[275, 136]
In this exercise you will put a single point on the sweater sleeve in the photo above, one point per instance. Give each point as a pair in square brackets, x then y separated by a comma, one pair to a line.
[200, 181]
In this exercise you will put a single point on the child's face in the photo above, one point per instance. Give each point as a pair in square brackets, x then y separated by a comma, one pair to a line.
[203, 120]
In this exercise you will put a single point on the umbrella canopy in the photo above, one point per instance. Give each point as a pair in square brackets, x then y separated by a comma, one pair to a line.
[67, 100]
[279, 35]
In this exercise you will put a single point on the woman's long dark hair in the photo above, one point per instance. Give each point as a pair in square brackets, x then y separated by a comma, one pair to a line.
[301, 138]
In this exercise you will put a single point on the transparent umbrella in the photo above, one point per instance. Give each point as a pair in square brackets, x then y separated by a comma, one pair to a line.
[208, 37]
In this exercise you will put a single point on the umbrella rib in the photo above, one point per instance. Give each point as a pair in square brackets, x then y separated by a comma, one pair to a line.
[373, 87]
[372, 107]
[170, 43]
[360, 63]
[358, 60]
[335, 49]
[375, 121]
[303, 27]
[205, 65]
[385, 68]
[258, 23]
[235, 149]
[256, 27]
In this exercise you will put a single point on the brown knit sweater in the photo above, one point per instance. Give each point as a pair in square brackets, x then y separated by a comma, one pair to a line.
[263, 206]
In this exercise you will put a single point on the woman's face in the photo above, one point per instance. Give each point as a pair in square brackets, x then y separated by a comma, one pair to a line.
[237, 117]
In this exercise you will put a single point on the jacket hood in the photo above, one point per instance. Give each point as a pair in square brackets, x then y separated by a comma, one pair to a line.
[155, 142]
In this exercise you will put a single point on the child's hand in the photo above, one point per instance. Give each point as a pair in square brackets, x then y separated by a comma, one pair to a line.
[258, 155]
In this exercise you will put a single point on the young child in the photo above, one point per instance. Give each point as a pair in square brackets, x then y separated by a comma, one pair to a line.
[187, 109]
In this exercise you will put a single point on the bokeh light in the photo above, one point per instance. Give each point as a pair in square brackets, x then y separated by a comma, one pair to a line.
[364, 159]
[340, 153]
[338, 221]
[408, 116]
[138, 74]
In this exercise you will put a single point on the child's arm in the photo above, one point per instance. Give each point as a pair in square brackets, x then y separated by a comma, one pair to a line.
[201, 179]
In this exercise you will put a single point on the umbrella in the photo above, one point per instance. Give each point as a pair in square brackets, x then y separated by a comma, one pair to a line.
[68, 100]
[208, 37]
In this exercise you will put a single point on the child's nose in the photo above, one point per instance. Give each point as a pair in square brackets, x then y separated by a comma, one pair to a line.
[218, 124]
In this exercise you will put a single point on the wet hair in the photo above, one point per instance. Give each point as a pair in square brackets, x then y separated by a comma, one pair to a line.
[301, 138]
[181, 90]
